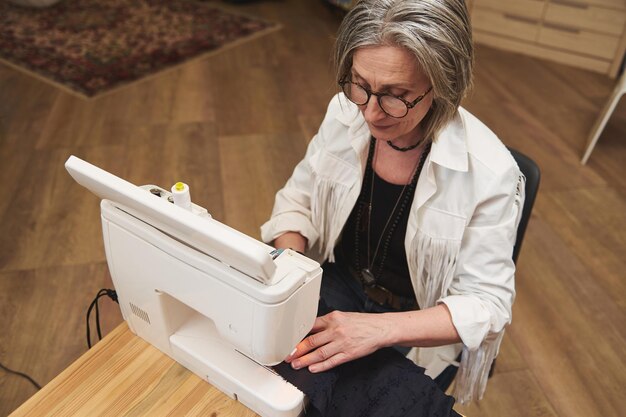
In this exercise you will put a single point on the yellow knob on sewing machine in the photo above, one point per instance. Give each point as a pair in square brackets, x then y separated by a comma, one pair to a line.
[179, 186]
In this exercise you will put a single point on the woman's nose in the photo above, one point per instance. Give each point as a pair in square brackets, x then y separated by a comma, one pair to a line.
[372, 111]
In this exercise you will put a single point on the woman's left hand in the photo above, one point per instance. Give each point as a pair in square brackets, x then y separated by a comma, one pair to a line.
[340, 337]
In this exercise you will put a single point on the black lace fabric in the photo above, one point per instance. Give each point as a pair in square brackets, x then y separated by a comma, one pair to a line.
[383, 384]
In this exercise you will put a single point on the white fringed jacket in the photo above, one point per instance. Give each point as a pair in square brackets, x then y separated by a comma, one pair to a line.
[460, 233]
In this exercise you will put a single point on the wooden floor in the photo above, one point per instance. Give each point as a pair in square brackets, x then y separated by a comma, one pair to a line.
[234, 125]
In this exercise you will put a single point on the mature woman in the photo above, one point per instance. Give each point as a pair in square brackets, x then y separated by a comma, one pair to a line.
[409, 200]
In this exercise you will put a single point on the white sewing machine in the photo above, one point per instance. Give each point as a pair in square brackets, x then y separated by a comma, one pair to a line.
[219, 302]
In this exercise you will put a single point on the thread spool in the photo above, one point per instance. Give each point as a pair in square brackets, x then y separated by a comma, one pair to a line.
[181, 195]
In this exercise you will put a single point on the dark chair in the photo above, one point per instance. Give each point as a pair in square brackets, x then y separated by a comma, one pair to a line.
[531, 171]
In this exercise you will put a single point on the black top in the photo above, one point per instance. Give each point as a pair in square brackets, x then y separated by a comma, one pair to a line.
[389, 266]
[394, 274]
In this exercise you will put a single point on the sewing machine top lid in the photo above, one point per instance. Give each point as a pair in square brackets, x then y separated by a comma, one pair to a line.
[230, 246]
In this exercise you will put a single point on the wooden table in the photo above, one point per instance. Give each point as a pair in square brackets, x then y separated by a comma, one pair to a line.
[122, 375]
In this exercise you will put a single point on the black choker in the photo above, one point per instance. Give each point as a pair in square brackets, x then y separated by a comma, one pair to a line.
[405, 149]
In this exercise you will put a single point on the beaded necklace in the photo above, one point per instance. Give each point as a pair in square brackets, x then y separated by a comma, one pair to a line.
[367, 275]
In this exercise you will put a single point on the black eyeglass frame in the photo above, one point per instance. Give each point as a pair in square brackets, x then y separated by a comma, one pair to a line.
[409, 104]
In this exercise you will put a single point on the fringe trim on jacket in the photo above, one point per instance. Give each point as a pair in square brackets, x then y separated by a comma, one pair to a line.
[471, 380]
[327, 199]
[435, 273]
[434, 276]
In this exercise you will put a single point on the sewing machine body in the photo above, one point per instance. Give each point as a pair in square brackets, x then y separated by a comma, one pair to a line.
[177, 292]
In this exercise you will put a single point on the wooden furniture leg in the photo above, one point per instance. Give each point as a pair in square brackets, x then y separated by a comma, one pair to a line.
[594, 135]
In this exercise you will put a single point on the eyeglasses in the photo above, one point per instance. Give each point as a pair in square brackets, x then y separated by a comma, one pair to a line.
[393, 106]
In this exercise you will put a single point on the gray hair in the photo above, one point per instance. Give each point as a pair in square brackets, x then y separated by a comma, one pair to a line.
[437, 32]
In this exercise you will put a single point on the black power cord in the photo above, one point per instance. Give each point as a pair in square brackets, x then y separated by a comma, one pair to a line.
[113, 296]
[23, 375]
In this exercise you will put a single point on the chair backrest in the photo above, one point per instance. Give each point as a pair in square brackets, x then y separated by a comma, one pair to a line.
[531, 171]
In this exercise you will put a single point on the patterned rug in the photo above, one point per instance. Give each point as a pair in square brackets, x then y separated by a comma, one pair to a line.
[91, 46]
